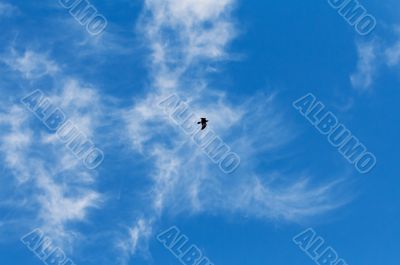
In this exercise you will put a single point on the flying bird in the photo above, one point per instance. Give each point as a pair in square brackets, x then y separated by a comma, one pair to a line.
[203, 122]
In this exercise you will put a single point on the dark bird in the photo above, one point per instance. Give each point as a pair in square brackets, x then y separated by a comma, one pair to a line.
[203, 122]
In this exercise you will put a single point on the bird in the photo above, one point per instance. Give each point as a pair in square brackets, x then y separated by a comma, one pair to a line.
[203, 122]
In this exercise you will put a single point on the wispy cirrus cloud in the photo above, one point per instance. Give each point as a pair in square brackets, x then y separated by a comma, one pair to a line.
[58, 188]
[372, 56]
[366, 67]
[392, 52]
[32, 65]
[179, 33]
[182, 36]
[135, 241]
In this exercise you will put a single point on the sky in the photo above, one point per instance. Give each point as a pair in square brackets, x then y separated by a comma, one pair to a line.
[241, 64]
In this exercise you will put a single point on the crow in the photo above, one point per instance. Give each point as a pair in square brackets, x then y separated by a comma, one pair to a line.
[203, 122]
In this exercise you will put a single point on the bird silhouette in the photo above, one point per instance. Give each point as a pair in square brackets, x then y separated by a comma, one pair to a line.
[203, 122]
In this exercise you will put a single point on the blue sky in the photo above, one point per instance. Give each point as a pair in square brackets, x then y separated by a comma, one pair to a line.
[239, 63]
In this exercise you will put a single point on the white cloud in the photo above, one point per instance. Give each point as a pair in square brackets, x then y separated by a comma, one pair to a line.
[183, 173]
[14, 144]
[192, 11]
[138, 235]
[392, 53]
[182, 35]
[185, 180]
[366, 67]
[371, 57]
[181, 32]
[57, 185]
[30, 64]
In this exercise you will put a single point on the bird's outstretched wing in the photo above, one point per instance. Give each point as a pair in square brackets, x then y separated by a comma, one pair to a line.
[203, 126]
